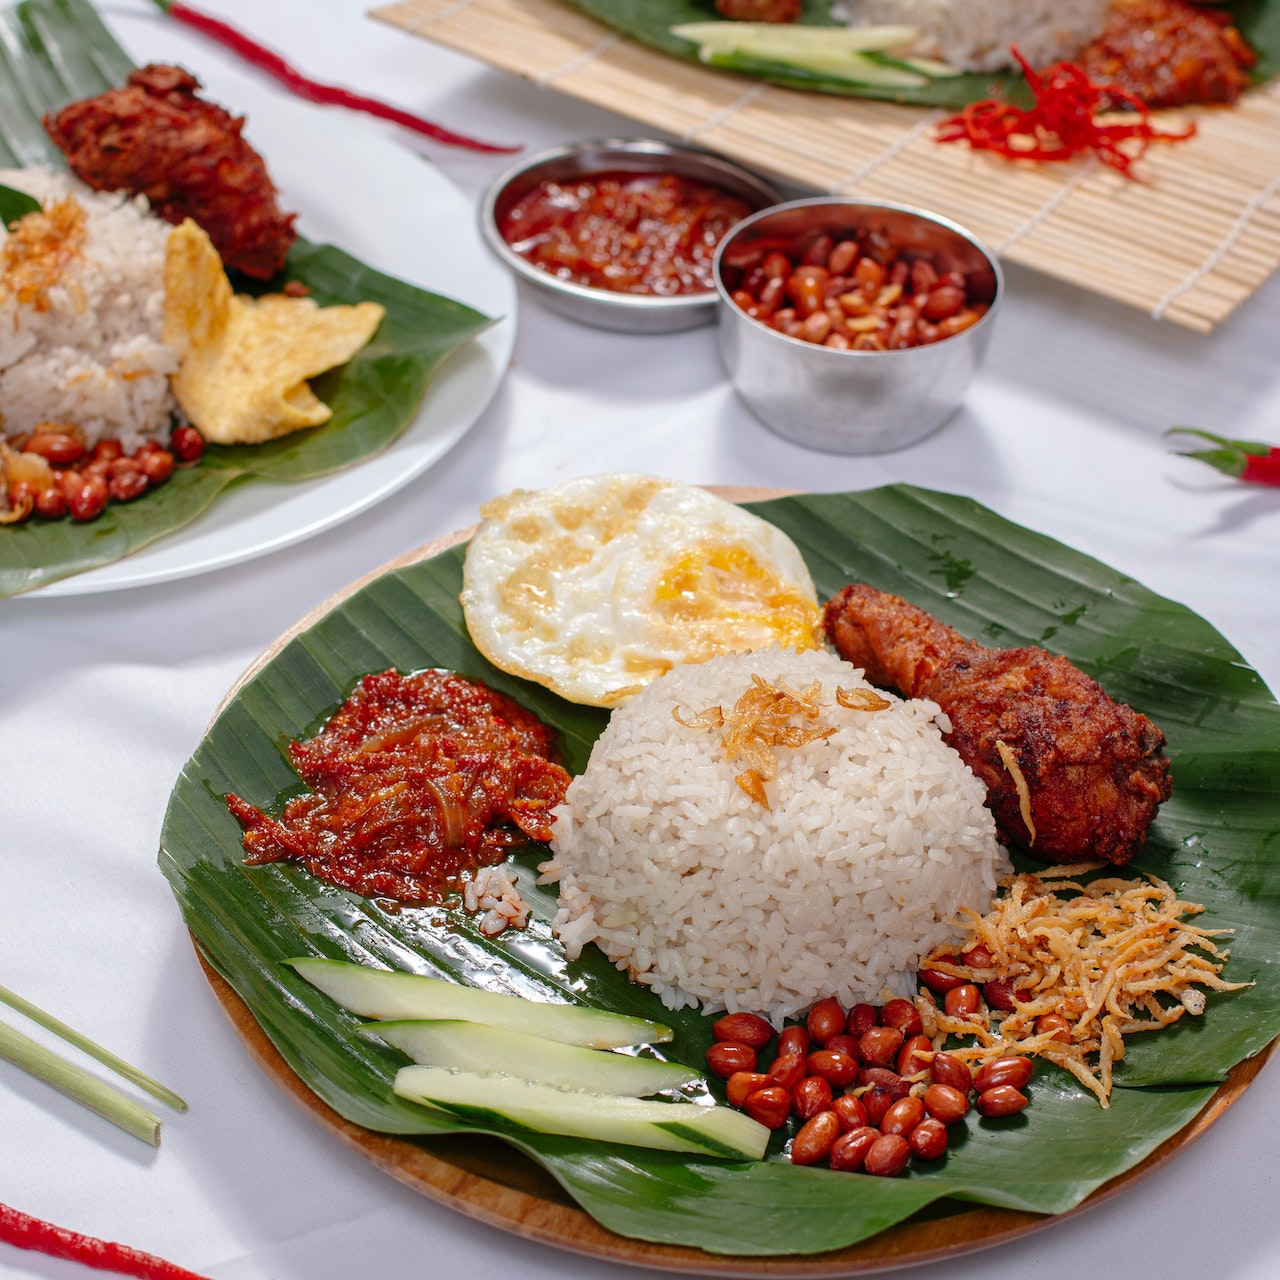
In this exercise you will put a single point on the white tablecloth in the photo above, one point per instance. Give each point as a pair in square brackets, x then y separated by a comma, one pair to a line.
[102, 698]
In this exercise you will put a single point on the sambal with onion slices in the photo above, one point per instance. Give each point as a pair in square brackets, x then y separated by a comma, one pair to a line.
[415, 781]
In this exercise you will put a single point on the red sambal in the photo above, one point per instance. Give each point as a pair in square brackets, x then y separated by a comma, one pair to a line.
[414, 780]
[653, 233]
[1170, 54]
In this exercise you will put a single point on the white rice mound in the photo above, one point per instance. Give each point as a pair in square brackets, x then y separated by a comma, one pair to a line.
[92, 354]
[975, 35]
[875, 838]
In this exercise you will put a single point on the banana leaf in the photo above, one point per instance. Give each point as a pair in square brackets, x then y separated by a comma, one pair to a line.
[15, 205]
[650, 21]
[55, 51]
[1217, 841]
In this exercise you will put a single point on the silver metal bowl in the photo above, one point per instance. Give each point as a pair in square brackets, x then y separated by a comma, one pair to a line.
[852, 401]
[628, 312]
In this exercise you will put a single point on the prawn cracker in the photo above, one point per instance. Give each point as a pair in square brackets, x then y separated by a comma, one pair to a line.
[244, 361]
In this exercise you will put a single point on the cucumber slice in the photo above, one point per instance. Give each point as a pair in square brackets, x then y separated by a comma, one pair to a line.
[469, 1046]
[380, 993]
[857, 68]
[832, 51]
[781, 41]
[931, 67]
[507, 1100]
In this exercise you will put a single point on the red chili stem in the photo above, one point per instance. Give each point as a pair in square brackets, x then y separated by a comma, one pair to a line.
[1258, 447]
[1249, 460]
[304, 86]
[25, 1232]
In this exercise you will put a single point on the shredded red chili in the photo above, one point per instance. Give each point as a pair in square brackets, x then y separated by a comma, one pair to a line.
[314, 90]
[414, 780]
[652, 233]
[25, 1232]
[1063, 123]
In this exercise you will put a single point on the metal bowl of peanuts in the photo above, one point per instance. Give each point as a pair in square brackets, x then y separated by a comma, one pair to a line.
[853, 327]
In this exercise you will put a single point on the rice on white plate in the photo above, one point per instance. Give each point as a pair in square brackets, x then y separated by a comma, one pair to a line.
[85, 346]
[874, 838]
[975, 35]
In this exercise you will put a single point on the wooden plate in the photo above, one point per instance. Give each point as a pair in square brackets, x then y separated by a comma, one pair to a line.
[491, 1181]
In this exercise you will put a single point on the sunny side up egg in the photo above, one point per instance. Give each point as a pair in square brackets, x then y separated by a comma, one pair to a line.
[599, 585]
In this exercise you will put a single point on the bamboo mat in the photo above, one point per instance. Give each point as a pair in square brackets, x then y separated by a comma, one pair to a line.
[1189, 244]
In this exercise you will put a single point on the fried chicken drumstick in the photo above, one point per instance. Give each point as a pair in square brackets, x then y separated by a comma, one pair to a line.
[1095, 771]
[156, 138]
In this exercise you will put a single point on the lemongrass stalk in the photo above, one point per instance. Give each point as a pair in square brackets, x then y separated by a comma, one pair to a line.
[77, 1083]
[93, 1049]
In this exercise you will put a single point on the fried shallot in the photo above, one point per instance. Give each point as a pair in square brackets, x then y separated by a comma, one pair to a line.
[764, 718]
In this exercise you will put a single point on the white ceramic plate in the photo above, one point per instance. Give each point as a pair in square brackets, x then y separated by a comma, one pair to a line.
[355, 188]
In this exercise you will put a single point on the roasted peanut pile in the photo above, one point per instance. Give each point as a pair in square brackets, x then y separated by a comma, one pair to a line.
[854, 294]
[53, 473]
[867, 1088]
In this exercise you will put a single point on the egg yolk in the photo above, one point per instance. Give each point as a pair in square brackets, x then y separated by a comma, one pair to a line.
[723, 596]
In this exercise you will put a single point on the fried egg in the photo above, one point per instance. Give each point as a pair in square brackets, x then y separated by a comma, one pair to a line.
[598, 586]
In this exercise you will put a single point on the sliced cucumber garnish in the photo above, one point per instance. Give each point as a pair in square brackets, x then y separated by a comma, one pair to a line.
[777, 40]
[856, 68]
[380, 993]
[469, 1046]
[856, 54]
[506, 1100]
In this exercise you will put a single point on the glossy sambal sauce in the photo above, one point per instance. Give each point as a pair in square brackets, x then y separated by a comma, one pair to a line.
[1169, 53]
[647, 233]
[414, 781]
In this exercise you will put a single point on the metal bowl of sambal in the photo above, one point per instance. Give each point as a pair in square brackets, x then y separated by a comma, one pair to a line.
[621, 233]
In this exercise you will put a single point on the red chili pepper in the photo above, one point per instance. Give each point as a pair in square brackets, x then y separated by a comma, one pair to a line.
[1263, 470]
[313, 90]
[1063, 122]
[1249, 460]
[25, 1232]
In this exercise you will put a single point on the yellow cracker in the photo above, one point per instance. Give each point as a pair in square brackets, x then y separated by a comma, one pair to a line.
[246, 362]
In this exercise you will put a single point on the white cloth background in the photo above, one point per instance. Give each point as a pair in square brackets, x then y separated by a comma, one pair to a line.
[102, 697]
